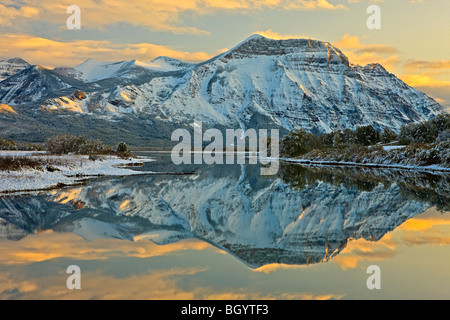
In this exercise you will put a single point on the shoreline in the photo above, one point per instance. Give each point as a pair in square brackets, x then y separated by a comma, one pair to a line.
[429, 169]
[71, 170]
[78, 169]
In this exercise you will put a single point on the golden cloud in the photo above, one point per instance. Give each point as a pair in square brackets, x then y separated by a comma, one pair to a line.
[158, 15]
[423, 64]
[358, 251]
[363, 54]
[429, 228]
[423, 80]
[10, 14]
[424, 223]
[420, 74]
[269, 268]
[438, 89]
[354, 43]
[269, 33]
[53, 53]
[151, 284]
[50, 245]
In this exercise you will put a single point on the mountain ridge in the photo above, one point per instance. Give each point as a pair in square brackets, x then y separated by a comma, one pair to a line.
[259, 83]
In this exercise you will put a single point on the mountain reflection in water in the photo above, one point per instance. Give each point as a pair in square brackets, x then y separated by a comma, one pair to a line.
[303, 216]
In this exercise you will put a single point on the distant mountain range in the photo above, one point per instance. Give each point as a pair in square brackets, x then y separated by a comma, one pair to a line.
[260, 83]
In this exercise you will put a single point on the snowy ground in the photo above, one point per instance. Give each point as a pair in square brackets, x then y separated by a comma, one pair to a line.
[4, 153]
[72, 169]
[388, 148]
[432, 168]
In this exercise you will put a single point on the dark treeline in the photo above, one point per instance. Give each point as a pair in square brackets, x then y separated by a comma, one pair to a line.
[65, 144]
[300, 142]
[8, 144]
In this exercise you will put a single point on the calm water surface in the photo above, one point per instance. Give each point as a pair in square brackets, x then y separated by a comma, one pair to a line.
[225, 232]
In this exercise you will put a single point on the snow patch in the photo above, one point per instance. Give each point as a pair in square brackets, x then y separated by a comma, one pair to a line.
[75, 168]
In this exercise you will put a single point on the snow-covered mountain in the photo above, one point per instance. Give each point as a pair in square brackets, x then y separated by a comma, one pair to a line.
[294, 84]
[12, 66]
[260, 83]
[260, 221]
[32, 84]
[93, 71]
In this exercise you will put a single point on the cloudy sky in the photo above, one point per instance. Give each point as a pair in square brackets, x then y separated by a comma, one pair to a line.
[35, 268]
[413, 41]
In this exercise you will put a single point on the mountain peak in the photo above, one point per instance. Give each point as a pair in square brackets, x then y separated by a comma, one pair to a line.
[16, 60]
[164, 58]
[90, 60]
[164, 63]
[91, 70]
[39, 67]
[255, 36]
[87, 62]
[10, 67]
[375, 67]
[312, 51]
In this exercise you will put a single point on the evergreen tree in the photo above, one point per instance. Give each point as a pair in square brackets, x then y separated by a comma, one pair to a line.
[367, 136]
[388, 135]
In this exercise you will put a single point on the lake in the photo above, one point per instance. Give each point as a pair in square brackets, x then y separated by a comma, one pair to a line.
[226, 232]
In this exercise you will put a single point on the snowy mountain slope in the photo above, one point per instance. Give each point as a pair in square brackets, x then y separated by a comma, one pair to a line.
[117, 88]
[260, 221]
[10, 67]
[92, 71]
[33, 84]
[296, 84]
[76, 102]
[165, 64]
[290, 84]
[260, 83]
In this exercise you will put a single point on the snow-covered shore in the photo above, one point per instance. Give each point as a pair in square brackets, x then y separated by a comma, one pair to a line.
[64, 170]
[432, 168]
[419, 157]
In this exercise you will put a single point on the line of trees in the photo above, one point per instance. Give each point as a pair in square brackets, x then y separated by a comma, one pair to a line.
[300, 142]
[9, 144]
[64, 144]
[435, 130]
